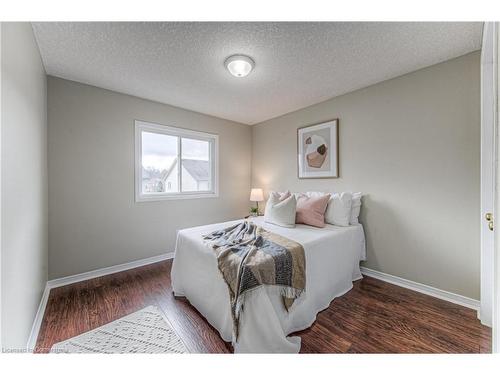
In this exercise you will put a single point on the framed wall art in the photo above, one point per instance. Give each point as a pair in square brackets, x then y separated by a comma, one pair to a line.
[318, 150]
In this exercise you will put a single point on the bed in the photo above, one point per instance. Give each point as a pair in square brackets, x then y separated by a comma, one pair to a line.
[332, 257]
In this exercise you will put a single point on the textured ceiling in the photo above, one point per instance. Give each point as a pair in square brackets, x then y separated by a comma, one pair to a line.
[297, 64]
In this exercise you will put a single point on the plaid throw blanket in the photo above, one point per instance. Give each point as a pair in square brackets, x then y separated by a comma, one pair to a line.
[248, 257]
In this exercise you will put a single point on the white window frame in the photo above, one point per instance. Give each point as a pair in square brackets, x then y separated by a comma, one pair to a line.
[150, 127]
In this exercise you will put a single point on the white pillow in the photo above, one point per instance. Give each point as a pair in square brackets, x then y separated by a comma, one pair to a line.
[314, 194]
[355, 208]
[281, 211]
[338, 211]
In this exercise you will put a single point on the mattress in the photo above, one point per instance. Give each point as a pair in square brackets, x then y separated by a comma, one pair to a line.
[332, 263]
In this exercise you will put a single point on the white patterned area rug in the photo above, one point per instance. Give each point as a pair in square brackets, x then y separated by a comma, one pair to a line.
[145, 331]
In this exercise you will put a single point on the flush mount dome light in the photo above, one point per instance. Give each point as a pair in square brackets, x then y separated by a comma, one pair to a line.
[239, 65]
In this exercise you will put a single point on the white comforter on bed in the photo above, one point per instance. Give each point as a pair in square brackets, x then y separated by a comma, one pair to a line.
[332, 263]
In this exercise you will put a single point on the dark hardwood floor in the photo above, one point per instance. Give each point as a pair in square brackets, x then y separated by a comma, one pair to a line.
[374, 317]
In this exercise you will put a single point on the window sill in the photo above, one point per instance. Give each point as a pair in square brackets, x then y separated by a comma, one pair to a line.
[173, 197]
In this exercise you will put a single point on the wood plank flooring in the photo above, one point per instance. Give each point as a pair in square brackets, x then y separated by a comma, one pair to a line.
[374, 317]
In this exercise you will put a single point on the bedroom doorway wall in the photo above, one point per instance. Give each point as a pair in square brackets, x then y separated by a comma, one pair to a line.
[496, 274]
[488, 167]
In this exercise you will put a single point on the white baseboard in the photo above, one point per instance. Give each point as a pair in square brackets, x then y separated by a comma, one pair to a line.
[422, 288]
[38, 319]
[55, 283]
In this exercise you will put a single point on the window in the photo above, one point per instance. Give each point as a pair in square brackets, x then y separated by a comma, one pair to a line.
[174, 163]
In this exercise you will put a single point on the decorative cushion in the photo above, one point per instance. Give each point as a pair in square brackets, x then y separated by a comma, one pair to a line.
[283, 195]
[280, 209]
[314, 194]
[355, 208]
[311, 210]
[338, 211]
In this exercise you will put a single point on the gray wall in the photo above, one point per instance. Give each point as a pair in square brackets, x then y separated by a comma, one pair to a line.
[411, 144]
[24, 182]
[94, 221]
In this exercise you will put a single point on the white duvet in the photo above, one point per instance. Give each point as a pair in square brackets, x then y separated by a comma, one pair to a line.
[332, 263]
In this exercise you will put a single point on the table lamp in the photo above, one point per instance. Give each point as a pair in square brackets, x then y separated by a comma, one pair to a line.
[256, 195]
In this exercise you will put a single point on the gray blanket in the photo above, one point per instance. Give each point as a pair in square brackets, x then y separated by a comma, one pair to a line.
[248, 257]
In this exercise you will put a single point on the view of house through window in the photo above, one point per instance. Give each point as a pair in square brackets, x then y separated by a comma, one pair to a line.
[159, 163]
[174, 161]
[195, 165]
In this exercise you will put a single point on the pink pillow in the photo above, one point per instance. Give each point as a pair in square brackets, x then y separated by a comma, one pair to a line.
[311, 210]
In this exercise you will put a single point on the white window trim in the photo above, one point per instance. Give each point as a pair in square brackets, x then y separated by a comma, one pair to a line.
[141, 126]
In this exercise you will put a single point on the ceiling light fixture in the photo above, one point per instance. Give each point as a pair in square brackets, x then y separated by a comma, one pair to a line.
[239, 65]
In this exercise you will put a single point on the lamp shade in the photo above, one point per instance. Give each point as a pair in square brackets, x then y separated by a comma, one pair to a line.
[256, 195]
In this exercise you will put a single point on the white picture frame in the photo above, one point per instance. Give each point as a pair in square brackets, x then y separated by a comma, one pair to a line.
[318, 150]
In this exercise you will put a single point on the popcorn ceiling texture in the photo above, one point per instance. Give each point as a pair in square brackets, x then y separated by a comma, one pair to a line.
[297, 64]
